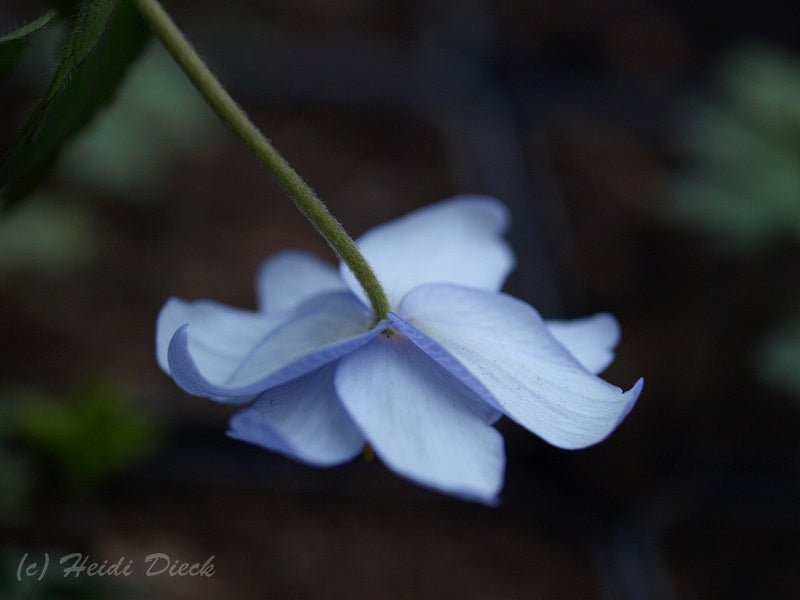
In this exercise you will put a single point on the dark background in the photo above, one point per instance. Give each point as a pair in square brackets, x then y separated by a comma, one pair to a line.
[571, 113]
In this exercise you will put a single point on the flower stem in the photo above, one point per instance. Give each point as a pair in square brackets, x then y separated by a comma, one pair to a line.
[298, 190]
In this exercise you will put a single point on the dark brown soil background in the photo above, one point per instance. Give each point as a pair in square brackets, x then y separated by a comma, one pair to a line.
[566, 111]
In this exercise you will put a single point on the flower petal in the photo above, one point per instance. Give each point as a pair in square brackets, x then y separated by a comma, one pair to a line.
[591, 340]
[221, 336]
[319, 331]
[302, 419]
[454, 241]
[287, 279]
[423, 423]
[513, 362]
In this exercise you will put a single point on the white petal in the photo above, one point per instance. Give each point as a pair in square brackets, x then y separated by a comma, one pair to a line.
[454, 241]
[513, 361]
[421, 421]
[221, 336]
[319, 331]
[591, 340]
[302, 419]
[289, 278]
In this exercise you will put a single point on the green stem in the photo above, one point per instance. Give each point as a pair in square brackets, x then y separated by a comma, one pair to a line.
[298, 190]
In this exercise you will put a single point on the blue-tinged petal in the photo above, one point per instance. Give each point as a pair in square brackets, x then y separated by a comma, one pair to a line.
[289, 278]
[422, 422]
[302, 419]
[319, 331]
[454, 241]
[220, 338]
[591, 340]
[516, 362]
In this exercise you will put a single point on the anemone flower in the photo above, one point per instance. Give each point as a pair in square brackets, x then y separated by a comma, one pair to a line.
[424, 387]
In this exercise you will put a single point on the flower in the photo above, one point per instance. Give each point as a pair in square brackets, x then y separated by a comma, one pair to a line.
[424, 387]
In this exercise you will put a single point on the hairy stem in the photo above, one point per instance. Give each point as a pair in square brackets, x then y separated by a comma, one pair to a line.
[298, 190]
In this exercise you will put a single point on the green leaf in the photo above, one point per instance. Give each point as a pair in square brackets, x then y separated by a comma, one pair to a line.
[47, 235]
[115, 154]
[765, 83]
[106, 37]
[744, 183]
[13, 44]
[778, 357]
[96, 431]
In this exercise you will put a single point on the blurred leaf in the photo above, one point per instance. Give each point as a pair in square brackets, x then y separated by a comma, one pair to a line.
[765, 83]
[106, 37]
[46, 235]
[13, 44]
[127, 148]
[743, 186]
[95, 432]
[748, 207]
[778, 357]
[717, 135]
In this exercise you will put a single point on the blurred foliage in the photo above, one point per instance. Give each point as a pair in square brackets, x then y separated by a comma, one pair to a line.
[12, 45]
[46, 235]
[156, 111]
[95, 432]
[106, 36]
[743, 185]
[779, 357]
[123, 151]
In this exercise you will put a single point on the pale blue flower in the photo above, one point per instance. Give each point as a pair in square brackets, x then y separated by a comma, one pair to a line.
[423, 388]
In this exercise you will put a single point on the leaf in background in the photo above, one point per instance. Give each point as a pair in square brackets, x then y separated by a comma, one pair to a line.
[13, 45]
[743, 183]
[717, 135]
[47, 235]
[107, 36]
[746, 205]
[765, 83]
[95, 432]
[128, 149]
[778, 357]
